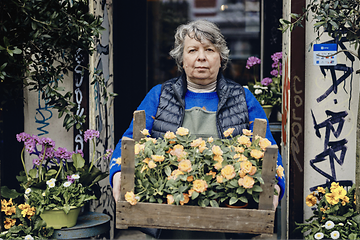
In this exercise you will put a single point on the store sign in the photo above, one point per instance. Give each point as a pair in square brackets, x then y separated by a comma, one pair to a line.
[324, 54]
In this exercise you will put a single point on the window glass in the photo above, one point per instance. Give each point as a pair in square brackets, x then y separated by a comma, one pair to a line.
[238, 20]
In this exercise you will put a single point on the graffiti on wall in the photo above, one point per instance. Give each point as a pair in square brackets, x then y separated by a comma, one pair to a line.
[330, 129]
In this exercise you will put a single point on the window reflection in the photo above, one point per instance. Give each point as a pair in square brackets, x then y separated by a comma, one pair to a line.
[239, 21]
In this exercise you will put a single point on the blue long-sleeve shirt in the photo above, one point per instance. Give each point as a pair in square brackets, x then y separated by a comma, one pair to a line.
[210, 102]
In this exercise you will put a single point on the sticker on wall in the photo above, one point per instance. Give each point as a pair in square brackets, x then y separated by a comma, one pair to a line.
[323, 54]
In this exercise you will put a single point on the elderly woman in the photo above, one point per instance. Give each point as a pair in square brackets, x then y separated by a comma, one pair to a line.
[201, 99]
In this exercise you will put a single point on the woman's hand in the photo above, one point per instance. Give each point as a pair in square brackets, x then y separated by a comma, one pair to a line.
[276, 197]
[116, 186]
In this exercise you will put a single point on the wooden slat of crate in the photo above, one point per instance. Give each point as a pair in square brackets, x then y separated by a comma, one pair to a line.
[195, 218]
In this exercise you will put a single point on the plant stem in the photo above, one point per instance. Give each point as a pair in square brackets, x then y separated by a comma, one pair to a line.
[22, 160]
[93, 156]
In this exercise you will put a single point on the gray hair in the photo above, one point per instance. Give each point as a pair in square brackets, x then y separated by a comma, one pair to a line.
[199, 29]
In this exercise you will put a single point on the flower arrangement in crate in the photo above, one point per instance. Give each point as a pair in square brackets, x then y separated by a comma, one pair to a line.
[59, 179]
[268, 90]
[182, 169]
[334, 214]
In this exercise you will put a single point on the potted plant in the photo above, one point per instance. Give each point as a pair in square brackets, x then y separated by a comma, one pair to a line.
[267, 91]
[334, 214]
[184, 170]
[59, 180]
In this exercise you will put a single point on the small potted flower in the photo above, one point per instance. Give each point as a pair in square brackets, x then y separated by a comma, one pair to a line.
[268, 91]
[60, 181]
[334, 214]
[184, 170]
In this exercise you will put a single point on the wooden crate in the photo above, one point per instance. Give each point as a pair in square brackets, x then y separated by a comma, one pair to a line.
[196, 218]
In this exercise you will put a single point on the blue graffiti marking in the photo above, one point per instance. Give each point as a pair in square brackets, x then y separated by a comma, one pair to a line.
[40, 117]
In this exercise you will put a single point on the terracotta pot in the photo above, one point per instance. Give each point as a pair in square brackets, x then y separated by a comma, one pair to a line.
[237, 205]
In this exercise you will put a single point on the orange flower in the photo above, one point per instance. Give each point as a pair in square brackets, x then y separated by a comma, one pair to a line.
[152, 164]
[182, 131]
[170, 199]
[130, 198]
[158, 158]
[146, 160]
[217, 150]
[186, 199]
[169, 135]
[310, 200]
[190, 178]
[200, 185]
[280, 172]
[211, 173]
[219, 179]
[191, 192]
[228, 172]
[246, 182]
[256, 153]
[246, 166]
[210, 139]
[244, 140]
[228, 132]
[9, 222]
[264, 143]
[247, 132]
[185, 165]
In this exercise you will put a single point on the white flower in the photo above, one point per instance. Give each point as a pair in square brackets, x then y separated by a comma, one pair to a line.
[28, 190]
[349, 223]
[262, 102]
[341, 224]
[67, 184]
[51, 182]
[29, 237]
[335, 235]
[75, 176]
[258, 91]
[329, 224]
[44, 194]
[257, 86]
[319, 235]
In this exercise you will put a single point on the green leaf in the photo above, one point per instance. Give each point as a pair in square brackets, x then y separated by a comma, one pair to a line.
[9, 193]
[233, 200]
[79, 161]
[168, 171]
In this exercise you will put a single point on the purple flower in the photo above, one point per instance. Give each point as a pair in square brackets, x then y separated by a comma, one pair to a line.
[70, 178]
[274, 72]
[90, 134]
[30, 145]
[22, 137]
[36, 162]
[252, 61]
[266, 81]
[276, 56]
[108, 153]
[62, 153]
[47, 141]
[80, 151]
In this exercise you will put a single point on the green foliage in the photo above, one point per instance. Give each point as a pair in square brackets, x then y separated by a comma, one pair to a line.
[340, 18]
[39, 40]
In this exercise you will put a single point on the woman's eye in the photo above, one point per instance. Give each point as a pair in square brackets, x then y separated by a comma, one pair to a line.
[191, 50]
[210, 49]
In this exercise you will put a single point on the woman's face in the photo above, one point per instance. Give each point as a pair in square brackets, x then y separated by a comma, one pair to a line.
[201, 61]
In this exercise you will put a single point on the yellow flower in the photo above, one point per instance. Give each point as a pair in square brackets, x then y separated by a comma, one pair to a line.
[145, 132]
[228, 132]
[244, 140]
[191, 192]
[146, 160]
[216, 150]
[246, 166]
[320, 190]
[152, 164]
[211, 173]
[280, 172]
[182, 131]
[186, 199]
[334, 185]
[242, 173]
[158, 158]
[311, 200]
[253, 170]
[340, 192]
[26, 210]
[218, 165]
[138, 148]
[264, 143]
[210, 139]
[144, 167]
[246, 182]
[185, 165]
[200, 185]
[322, 209]
[239, 149]
[331, 198]
[118, 161]
[345, 200]
[218, 158]
[178, 151]
[247, 132]
[9, 222]
[256, 153]
[169, 135]
[202, 146]
[196, 142]
[130, 198]
[175, 174]
[219, 179]
[170, 199]
[151, 139]
[228, 172]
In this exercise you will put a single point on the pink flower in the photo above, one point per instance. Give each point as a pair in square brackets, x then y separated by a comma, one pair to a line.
[266, 81]
[252, 61]
[90, 134]
[276, 56]
[274, 72]
[22, 137]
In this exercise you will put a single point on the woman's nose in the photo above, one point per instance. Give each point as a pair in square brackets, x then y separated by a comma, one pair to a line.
[201, 56]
